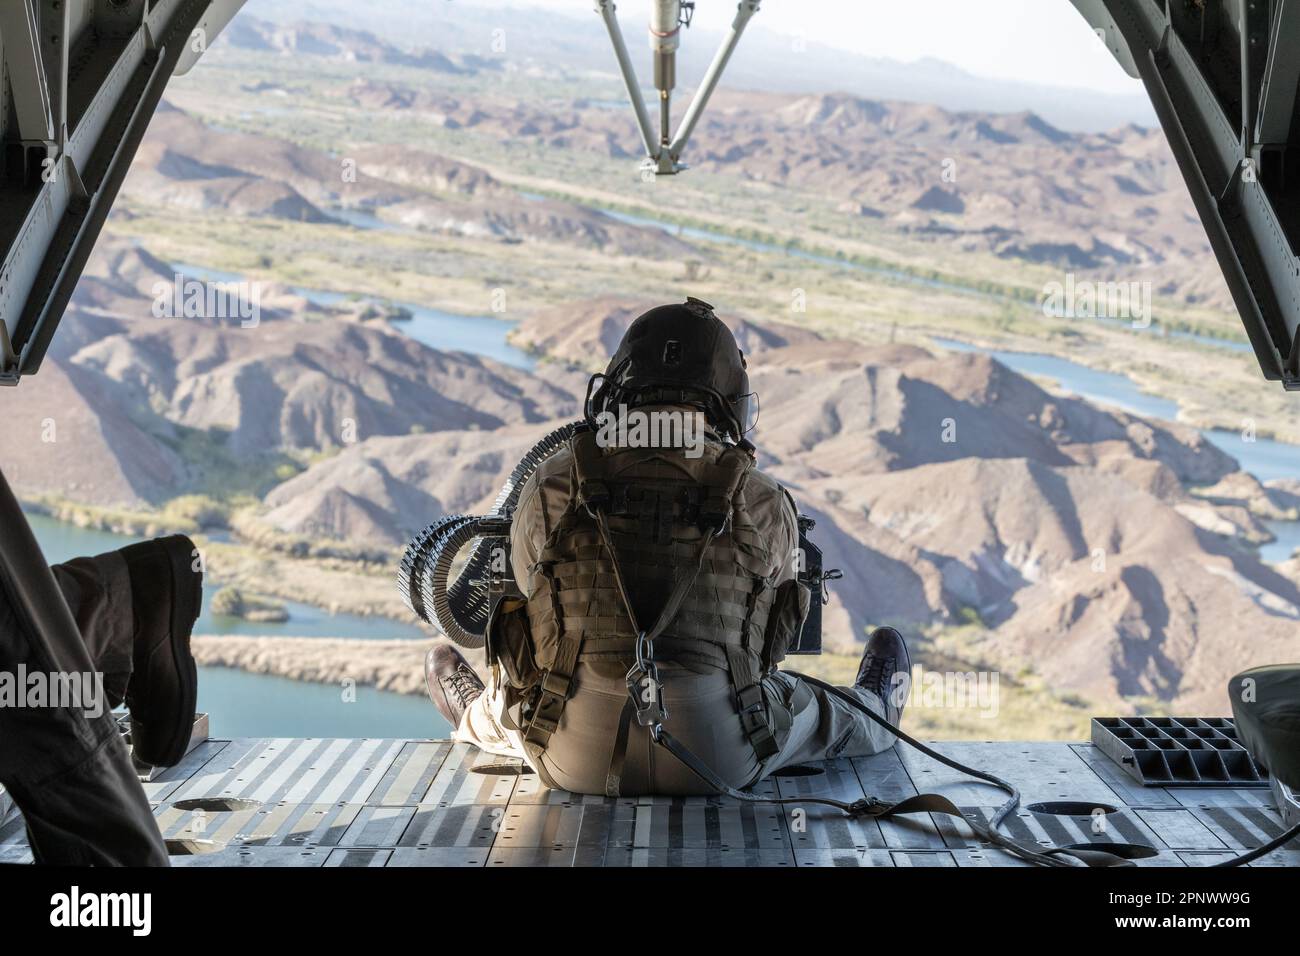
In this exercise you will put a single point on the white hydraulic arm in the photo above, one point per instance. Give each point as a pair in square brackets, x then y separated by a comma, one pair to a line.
[667, 20]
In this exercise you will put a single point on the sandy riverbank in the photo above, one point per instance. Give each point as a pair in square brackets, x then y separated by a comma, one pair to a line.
[393, 666]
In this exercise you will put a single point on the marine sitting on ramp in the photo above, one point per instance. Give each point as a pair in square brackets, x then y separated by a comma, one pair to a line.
[658, 595]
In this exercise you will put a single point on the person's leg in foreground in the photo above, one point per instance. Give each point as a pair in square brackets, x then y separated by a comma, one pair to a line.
[135, 609]
[117, 626]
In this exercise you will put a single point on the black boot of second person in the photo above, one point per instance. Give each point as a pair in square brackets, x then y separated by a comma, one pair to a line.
[166, 594]
[884, 659]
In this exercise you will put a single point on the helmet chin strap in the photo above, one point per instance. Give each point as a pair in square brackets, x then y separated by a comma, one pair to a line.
[593, 395]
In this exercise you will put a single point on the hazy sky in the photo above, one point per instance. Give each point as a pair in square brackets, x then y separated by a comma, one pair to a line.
[1037, 41]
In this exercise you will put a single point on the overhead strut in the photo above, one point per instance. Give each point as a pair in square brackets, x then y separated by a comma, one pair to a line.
[667, 19]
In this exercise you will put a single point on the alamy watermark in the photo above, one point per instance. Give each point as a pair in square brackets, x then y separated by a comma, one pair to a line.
[1084, 299]
[184, 298]
[652, 428]
[21, 688]
[75, 908]
[952, 690]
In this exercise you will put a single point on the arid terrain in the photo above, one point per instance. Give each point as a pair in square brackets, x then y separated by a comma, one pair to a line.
[1096, 558]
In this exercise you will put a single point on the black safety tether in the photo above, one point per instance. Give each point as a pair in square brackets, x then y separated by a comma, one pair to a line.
[645, 702]
[1097, 856]
[922, 803]
[1010, 806]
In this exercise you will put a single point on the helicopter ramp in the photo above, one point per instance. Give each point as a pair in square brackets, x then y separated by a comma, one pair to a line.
[398, 802]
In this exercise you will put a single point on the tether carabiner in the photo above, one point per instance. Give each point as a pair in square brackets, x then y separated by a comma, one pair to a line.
[644, 686]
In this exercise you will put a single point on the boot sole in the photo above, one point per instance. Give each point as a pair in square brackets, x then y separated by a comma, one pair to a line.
[185, 611]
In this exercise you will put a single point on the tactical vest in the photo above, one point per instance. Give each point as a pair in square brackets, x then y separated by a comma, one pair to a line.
[665, 515]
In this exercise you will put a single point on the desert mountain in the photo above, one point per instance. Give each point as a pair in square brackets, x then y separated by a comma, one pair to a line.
[123, 389]
[1112, 205]
[311, 384]
[312, 38]
[189, 165]
[587, 333]
[903, 407]
[384, 490]
[430, 172]
[942, 486]
[81, 442]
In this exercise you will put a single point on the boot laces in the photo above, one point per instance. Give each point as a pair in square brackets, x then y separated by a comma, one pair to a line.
[463, 684]
[877, 670]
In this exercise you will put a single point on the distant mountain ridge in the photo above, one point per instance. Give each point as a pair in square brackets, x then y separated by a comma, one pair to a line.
[330, 40]
[1109, 204]
[577, 43]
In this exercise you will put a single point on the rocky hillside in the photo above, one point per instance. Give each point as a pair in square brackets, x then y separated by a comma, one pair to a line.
[80, 442]
[123, 392]
[311, 385]
[586, 333]
[185, 164]
[1111, 205]
[384, 490]
[948, 489]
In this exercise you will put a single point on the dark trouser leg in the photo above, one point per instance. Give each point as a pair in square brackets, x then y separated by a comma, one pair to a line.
[98, 593]
[66, 766]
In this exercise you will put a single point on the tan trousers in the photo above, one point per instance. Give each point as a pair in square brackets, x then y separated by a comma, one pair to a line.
[811, 725]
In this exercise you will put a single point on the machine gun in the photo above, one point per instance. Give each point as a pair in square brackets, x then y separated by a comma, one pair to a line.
[457, 594]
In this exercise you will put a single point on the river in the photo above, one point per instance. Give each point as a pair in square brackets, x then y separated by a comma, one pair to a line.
[245, 704]
[241, 704]
[483, 335]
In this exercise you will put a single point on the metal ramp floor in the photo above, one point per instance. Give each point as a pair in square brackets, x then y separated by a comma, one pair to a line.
[394, 802]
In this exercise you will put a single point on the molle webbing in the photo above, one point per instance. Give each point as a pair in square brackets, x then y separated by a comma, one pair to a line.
[638, 473]
[656, 507]
[723, 606]
[578, 593]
